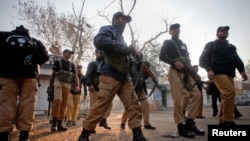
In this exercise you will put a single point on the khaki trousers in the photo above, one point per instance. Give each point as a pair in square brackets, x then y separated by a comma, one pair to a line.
[144, 106]
[61, 98]
[200, 106]
[185, 100]
[108, 88]
[25, 114]
[73, 107]
[93, 98]
[225, 85]
[178, 91]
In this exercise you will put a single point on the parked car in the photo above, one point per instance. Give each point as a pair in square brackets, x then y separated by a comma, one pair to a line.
[242, 100]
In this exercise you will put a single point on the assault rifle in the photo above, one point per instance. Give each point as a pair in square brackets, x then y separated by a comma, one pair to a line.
[144, 66]
[50, 99]
[190, 70]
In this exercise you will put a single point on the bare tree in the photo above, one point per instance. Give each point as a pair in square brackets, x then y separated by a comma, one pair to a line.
[71, 30]
[150, 48]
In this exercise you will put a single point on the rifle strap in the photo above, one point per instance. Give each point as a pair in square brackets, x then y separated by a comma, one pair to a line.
[212, 58]
[187, 84]
[137, 80]
[151, 92]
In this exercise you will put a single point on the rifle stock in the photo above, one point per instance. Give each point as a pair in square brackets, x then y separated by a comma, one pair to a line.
[191, 71]
[145, 66]
[150, 74]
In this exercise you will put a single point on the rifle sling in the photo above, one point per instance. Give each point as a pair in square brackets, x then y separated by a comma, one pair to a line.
[187, 84]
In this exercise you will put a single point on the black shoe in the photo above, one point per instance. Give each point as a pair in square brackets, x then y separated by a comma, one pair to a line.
[184, 132]
[73, 123]
[137, 135]
[200, 117]
[104, 124]
[149, 127]
[190, 125]
[54, 124]
[68, 123]
[5, 136]
[237, 116]
[123, 126]
[92, 131]
[84, 135]
[53, 128]
[24, 136]
[214, 115]
[60, 127]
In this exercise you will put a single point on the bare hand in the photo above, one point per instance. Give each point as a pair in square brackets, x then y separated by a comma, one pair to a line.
[244, 76]
[77, 89]
[133, 49]
[179, 65]
[50, 89]
[91, 88]
[210, 75]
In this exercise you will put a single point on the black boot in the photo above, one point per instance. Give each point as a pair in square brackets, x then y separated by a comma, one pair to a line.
[4, 136]
[84, 135]
[123, 126]
[237, 113]
[149, 127]
[54, 124]
[104, 124]
[184, 132]
[190, 125]
[137, 135]
[60, 127]
[24, 136]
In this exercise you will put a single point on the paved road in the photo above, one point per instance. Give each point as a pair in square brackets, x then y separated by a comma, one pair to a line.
[162, 120]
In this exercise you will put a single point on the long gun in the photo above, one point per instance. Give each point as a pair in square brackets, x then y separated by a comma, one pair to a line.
[191, 71]
[149, 73]
[50, 99]
[145, 67]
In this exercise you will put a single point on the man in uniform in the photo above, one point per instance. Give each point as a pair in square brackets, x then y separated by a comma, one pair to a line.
[114, 78]
[199, 85]
[174, 52]
[74, 97]
[220, 59]
[18, 78]
[62, 76]
[139, 77]
[92, 81]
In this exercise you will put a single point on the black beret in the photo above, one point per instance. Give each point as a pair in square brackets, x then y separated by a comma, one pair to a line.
[174, 26]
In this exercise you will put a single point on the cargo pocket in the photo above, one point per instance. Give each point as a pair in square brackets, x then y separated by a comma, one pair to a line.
[105, 90]
[105, 86]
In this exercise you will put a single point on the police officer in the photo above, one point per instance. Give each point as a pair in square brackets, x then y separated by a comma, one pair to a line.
[139, 77]
[18, 77]
[62, 76]
[75, 96]
[114, 78]
[220, 59]
[172, 50]
[92, 81]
